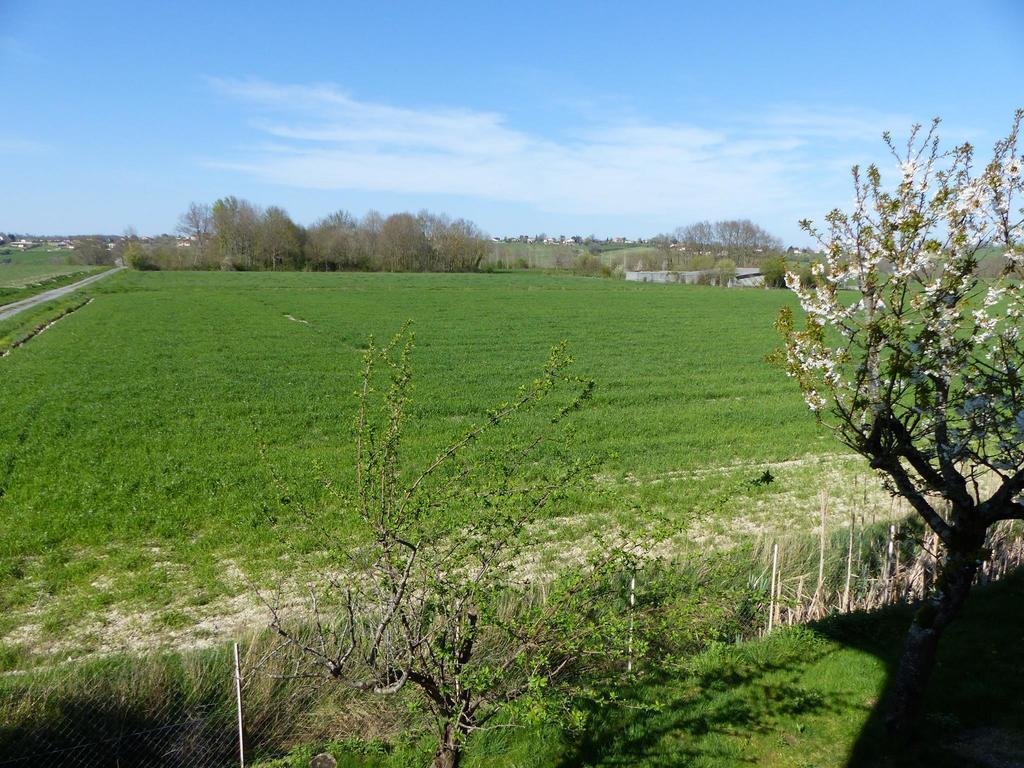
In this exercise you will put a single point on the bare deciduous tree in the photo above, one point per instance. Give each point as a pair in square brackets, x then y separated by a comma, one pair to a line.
[235, 226]
[739, 239]
[196, 223]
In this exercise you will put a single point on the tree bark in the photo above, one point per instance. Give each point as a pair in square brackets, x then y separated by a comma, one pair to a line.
[919, 650]
[449, 748]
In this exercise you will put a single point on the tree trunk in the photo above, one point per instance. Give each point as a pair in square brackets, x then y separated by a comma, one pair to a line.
[919, 649]
[449, 749]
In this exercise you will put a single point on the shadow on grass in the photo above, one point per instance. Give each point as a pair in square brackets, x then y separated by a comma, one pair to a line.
[974, 712]
[751, 704]
[82, 734]
[704, 716]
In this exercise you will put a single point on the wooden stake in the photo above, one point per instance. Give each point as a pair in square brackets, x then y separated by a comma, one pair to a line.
[238, 700]
[771, 601]
[800, 599]
[849, 565]
[888, 564]
[819, 595]
[632, 604]
[896, 572]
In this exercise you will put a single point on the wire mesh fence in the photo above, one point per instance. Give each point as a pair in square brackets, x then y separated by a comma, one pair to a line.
[198, 709]
[144, 714]
[184, 738]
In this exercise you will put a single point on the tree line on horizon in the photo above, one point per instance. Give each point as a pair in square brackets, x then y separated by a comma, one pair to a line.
[236, 234]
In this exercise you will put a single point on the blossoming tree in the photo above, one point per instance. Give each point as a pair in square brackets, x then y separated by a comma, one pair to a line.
[917, 367]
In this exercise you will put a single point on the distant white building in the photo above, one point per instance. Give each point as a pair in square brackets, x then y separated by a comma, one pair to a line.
[745, 276]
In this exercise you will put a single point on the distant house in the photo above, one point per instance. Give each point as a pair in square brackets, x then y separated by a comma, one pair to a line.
[23, 244]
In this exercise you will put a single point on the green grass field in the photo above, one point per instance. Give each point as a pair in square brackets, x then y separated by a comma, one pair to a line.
[26, 273]
[142, 432]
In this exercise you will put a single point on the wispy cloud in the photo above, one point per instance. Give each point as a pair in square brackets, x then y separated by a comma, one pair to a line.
[318, 136]
[830, 124]
[13, 145]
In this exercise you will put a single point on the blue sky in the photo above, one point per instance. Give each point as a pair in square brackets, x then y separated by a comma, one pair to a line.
[525, 117]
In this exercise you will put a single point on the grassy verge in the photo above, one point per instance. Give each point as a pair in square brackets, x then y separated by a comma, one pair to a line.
[13, 293]
[144, 710]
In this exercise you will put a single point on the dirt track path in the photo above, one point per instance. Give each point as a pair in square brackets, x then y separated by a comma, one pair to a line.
[9, 310]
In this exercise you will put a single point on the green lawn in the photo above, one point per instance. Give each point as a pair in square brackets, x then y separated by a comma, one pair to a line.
[139, 432]
[18, 268]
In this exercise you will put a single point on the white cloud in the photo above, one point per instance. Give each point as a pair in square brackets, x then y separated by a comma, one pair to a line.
[843, 125]
[320, 137]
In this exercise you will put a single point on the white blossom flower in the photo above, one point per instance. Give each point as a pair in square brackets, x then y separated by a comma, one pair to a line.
[971, 198]
[815, 402]
[912, 253]
[993, 295]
